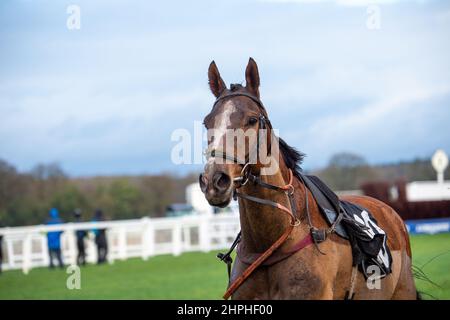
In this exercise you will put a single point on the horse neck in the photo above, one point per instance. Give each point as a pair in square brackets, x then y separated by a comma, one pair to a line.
[262, 225]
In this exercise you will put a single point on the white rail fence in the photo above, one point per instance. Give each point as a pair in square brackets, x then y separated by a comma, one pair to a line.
[26, 247]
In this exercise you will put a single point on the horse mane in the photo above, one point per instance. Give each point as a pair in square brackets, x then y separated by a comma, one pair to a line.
[292, 157]
[236, 87]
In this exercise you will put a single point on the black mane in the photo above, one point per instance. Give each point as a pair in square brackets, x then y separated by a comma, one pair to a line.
[236, 87]
[292, 157]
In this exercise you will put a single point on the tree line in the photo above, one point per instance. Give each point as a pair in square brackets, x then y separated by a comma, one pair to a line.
[26, 197]
[348, 171]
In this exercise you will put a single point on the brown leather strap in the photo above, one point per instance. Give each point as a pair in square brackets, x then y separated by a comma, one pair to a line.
[236, 284]
[263, 257]
[276, 256]
[245, 94]
[267, 202]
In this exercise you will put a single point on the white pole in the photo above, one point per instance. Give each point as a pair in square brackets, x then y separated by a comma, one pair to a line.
[10, 251]
[26, 254]
[44, 252]
[186, 238]
[145, 238]
[203, 234]
[176, 239]
[440, 177]
[151, 240]
[91, 249]
[72, 243]
[110, 242]
[122, 243]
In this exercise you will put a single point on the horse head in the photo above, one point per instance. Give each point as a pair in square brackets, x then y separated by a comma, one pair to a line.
[239, 135]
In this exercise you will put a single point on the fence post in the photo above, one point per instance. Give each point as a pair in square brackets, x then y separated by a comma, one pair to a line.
[176, 239]
[91, 249]
[152, 240]
[72, 244]
[122, 241]
[10, 252]
[110, 242]
[44, 252]
[146, 238]
[203, 234]
[186, 238]
[26, 253]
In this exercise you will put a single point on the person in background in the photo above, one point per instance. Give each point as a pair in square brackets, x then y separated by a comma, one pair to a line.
[1, 250]
[1, 253]
[100, 238]
[54, 239]
[81, 234]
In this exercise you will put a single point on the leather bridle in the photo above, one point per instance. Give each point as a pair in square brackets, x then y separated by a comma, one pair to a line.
[245, 177]
[263, 123]
[268, 258]
[246, 174]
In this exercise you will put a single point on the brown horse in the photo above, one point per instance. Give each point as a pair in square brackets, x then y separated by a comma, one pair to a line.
[315, 272]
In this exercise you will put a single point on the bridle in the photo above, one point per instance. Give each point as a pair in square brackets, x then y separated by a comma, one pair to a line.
[263, 123]
[315, 235]
[247, 176]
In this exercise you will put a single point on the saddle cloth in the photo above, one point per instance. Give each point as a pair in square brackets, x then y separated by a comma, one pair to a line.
[368, 241]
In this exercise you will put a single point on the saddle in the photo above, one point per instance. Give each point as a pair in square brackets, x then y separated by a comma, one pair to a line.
[368, 241]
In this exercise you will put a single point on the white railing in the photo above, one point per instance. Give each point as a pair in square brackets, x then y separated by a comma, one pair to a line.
[26, 247]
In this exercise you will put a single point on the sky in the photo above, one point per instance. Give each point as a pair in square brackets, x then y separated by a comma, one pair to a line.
[368, 77]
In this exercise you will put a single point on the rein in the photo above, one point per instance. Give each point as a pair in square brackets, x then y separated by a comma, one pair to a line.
[288, 189]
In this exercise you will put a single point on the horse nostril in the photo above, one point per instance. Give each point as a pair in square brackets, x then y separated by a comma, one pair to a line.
[203, 183]
[222, 181]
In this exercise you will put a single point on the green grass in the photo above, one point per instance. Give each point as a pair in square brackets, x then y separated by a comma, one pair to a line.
[432, 255]
[189, 276]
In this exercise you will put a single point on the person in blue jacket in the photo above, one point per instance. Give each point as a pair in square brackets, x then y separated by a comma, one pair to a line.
[54, 239]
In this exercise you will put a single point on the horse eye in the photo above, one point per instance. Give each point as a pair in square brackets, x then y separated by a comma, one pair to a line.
[252, 121]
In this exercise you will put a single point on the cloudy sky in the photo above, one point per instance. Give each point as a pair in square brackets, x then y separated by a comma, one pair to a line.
[105, 99]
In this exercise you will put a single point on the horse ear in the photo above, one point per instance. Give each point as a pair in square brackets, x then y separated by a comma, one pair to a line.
[252, 77]
[216, 84]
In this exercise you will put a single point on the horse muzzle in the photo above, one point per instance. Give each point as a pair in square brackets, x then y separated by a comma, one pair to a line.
[217, 187]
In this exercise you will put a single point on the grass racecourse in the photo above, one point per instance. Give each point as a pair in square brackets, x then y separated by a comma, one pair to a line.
[189, 276]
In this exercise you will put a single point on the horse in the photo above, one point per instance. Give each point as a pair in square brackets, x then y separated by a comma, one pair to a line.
[274, 208]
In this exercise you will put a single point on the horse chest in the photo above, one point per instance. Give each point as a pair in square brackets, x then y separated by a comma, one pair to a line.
[281, 281]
